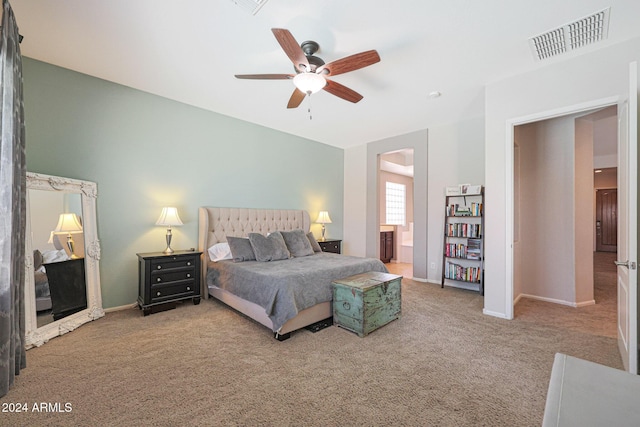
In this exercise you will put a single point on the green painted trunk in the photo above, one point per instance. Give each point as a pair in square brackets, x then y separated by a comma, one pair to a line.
[367, 301]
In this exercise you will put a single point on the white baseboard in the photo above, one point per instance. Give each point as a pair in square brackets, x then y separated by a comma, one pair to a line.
[556, 301]
[586, 303]
[518, 298]
[494, 314]
[120, 308]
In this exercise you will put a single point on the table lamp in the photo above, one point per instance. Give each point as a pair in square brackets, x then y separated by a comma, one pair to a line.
[68, 223]
[169, 217]
[323, 218]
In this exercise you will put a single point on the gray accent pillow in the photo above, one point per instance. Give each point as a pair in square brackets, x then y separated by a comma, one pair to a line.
[37, 259]
[241, 249]
[269, 248]
[297, 243]
[314, 243]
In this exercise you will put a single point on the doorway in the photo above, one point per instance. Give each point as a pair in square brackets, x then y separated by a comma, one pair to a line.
[556, 250]
[395, 210]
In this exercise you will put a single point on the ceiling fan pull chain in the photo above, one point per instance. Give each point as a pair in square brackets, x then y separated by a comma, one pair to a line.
[309, 105]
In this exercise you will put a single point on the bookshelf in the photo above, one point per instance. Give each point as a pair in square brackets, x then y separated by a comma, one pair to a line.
[463, 249]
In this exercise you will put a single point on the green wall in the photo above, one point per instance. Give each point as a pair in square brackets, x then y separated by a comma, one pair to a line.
[145, 152]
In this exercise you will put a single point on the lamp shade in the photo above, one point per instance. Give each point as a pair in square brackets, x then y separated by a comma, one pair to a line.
[323, 218]
[169, 217]
[68, 222]
[309, 82]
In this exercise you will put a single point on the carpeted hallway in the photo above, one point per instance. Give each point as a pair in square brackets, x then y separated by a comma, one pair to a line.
[599, 319]
[443, 363]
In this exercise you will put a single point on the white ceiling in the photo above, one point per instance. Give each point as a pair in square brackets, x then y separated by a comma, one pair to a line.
[399, 162]
[189, 51]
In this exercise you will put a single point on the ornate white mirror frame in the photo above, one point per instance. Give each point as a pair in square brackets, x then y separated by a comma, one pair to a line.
[35, 336]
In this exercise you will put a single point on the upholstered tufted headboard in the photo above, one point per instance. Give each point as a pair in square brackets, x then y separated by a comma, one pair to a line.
[215, 224]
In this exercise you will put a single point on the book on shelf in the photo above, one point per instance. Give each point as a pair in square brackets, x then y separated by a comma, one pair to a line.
[474, 209]
[474, 249]
[455, 250]
[463, 229]
[458, 272]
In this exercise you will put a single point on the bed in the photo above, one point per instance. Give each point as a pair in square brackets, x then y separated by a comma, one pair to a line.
[283, 294]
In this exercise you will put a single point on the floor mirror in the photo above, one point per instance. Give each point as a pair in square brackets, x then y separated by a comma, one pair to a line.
[62, 253]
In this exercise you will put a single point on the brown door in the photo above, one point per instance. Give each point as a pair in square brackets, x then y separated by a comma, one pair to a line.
[606, 220]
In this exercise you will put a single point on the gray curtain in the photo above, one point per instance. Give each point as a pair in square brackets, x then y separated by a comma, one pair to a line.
[13, 187]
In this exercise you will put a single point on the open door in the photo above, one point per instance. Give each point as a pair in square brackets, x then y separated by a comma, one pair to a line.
[628, 225]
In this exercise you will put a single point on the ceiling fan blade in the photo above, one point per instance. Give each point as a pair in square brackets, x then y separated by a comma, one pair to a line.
[296, 98]
[265, 76]
[342, 91]
[291, 48]
[350, 63]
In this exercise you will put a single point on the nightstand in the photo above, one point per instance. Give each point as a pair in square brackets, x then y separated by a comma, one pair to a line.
[165, 279]
[330, 245]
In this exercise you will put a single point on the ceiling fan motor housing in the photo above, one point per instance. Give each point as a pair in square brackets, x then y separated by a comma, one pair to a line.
[309, 48]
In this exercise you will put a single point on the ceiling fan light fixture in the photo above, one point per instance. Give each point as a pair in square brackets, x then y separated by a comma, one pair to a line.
[309, 82]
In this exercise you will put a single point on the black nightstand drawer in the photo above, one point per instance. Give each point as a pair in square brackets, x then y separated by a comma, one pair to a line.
[172, 275]
[166, 278]
[172, 262]
[330, 246]
[173, 291]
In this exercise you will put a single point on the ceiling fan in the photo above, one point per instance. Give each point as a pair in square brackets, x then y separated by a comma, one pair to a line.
[312, 72]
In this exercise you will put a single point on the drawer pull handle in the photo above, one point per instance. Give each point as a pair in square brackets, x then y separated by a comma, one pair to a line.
[159, 267]
[188, 288]
[188, 275]
[158, 280]
[158, 294]
[188, 262]
[346, 305]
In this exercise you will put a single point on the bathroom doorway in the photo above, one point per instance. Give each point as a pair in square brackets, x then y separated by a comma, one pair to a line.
[396, 210]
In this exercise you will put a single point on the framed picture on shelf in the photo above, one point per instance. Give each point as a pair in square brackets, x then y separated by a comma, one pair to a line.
[470, 190]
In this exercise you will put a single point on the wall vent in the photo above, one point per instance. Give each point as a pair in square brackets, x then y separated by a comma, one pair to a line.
[251, 6]
[571, 36]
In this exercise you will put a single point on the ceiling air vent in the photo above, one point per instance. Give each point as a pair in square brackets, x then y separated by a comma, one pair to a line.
[251, 6]
[571, 36]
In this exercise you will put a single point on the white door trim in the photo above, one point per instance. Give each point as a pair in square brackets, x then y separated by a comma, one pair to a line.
[511, 123]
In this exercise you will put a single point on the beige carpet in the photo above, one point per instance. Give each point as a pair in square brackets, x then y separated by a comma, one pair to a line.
[442, 364]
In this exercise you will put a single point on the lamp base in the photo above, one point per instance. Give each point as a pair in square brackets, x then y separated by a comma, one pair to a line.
[70, 245]
[168, 250]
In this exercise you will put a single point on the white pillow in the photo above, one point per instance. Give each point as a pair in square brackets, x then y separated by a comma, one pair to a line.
[54, 256]
[220, 251]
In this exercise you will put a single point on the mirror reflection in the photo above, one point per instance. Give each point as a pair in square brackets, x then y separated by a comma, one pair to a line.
[58, 254]
[62, 254]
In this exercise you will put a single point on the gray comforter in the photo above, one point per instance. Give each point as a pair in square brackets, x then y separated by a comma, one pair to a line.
[284, 288]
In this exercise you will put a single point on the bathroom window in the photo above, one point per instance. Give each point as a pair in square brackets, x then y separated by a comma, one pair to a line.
[396, 203]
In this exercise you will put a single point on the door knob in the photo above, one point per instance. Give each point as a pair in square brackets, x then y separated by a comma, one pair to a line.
[628, 264]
